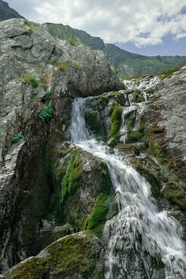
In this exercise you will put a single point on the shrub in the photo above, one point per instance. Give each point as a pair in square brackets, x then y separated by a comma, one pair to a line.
[46, 113]
[30, 79]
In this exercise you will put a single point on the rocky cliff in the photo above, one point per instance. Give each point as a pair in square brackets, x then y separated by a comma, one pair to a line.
[40, 76]
[55, 198]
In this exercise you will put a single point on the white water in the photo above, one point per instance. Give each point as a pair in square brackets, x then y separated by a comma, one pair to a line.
[137, 212]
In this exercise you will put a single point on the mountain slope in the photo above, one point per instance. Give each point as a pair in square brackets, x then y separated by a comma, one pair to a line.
[6, 12]
[124, 63]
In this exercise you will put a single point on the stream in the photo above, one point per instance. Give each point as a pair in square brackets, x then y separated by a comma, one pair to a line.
[138, 226]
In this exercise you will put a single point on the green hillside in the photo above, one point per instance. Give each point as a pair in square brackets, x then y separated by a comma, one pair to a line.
[124, 63]
[6, 12]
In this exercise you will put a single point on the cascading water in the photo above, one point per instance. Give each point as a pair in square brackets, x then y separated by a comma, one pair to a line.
[138, 223]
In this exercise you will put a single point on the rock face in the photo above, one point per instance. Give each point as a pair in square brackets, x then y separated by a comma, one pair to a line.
[55, 198]
[40, 76]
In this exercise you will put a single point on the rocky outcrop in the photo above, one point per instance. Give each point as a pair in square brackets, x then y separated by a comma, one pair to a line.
[83, 260]
[40, 76]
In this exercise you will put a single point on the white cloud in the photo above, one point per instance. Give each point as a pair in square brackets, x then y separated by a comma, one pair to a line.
[139, 21]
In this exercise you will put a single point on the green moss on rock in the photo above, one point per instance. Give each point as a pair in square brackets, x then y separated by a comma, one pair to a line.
[150, 177]
[175, 195]
[74, 256]
[92, 119]
[72, 176]
[102, 206]
[116, 117]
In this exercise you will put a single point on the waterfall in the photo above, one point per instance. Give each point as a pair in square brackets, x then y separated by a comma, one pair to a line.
[138, 223]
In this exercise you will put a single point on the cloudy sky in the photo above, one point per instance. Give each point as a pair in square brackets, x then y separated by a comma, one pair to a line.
[153, 27]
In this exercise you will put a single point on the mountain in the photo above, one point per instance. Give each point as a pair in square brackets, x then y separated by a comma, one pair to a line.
[6, 12]
[124, 63]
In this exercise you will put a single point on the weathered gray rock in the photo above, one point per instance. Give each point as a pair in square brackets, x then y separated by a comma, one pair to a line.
[47, 183]
[33, 64]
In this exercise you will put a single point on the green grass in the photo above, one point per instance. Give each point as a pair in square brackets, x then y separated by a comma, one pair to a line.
[63, 66]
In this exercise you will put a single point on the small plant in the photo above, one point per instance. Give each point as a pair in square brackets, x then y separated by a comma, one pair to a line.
[137, 97]
[16, 138]
[48, 96]
[44, 85]
[46, 113]
[72, 42]
[30, 79]
[64, 66]
[157, 150]
[30, 25]
[18, 112]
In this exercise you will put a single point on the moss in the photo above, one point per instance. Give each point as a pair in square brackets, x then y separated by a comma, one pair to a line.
[138, 97]
[92, 119]
[33, 269]
[158, 262]
[150, 177]
[74, 254]
[114, 93]
[98, 215]
[116, 117]
[101, 207]
[63, 66]
[157, 151]
[72, 176]
[175, 195]
[137, 135]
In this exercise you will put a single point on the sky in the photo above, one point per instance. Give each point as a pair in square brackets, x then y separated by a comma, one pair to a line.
[153, 27]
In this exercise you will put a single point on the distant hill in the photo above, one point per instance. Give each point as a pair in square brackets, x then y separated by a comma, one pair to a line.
[6, 12]
[124, 63]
